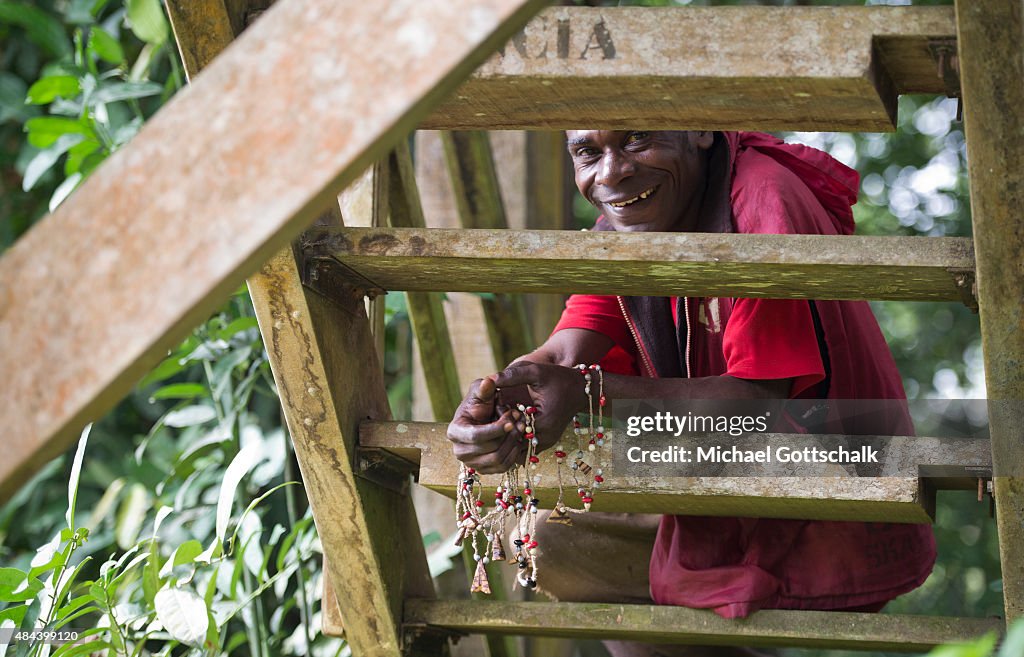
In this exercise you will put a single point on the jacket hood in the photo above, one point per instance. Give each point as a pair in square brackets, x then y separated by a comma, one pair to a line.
[834, 184]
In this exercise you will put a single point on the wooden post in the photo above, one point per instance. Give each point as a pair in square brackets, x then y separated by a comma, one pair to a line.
[991, 71]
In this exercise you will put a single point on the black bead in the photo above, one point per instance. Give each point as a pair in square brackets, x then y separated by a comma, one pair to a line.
[535, 502]
[522, 565]
[518, 543]
[519, 499]
[531, 583]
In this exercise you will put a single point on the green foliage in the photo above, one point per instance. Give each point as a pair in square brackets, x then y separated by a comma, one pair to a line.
[985, 646]
[80, 78]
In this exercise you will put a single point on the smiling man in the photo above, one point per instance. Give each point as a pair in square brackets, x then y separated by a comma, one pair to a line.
[705, 348]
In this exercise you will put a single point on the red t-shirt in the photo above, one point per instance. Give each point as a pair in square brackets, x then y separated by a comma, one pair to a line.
[762, 338]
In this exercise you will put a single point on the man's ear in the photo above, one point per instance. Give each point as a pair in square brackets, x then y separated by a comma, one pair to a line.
[702, 139]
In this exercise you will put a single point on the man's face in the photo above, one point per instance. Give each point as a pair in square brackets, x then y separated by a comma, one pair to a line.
[641, 181]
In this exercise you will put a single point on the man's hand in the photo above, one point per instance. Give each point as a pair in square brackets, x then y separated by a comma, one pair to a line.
[557, 394]
[481, 442]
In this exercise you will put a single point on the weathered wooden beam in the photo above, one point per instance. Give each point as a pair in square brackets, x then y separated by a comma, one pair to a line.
[693, 264]
[327, 374]
[992, 66]
[680, 625]
[721, 68]
[168, 227]
[426, 312]
[903, 497]
[474, 182]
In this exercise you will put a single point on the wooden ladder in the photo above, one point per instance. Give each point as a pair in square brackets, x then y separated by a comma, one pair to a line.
[317, 91]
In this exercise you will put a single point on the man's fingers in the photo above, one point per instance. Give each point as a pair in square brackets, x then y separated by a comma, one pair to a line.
[487, 437]
[524, 373]
[482, 391]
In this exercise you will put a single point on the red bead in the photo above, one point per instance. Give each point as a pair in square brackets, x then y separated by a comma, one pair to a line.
[527, 491]
[470, 471]
[532, 544]
[598, 478]
[529, 434]
[560, 454]
[588, 500]
[592, 441]
[526, 538]
[601, 400]
[479, 502]
[600, 435]
[583, 493]
[503, 504]
[531, 410]
[465, 486]
[534, 459]
[466, 515]
[593, 367]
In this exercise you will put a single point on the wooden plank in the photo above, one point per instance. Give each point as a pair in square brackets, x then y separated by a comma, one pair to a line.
[992, 67]
[474, 183]
[426, 312]
[680, 625]
[692, 264]
[902, 497]
[327, 374]
[713, 68]
[185, 219]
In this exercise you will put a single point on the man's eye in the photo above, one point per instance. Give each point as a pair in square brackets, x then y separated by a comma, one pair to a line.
[634, 137]
[584, 152]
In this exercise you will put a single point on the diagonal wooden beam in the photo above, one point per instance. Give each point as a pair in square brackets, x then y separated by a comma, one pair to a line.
[771, 266]
[992, 64]
[706, 68]
[679, 625]
[224, 176]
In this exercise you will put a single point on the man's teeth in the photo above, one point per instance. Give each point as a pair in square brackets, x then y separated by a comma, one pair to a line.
[634, 199]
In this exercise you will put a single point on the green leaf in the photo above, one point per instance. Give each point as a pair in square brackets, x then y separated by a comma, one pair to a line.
[151, 574]
[237, 326]
[44, 131]
[77, 649]
[42, 29]
[183, 614]
[48, 88]
[146, 18]
[183, 554]
[179, 391]
[247, 458]
[982, 647]
[13, 614]
[105, 46]
[167, 368]
[76, 472]
[131, 516]
[190, 416]
[115, 91]
[46, 158]
[64, 190]
[77, 155]
[73, 605]
[16, 586]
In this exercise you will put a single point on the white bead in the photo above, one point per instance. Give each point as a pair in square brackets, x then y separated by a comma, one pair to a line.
[533, 509]
[533, 466]
[519, 506]
[586, 377]
[600, 442]
[559, 449]
[597, 484]
[592, 447]
[599, 471]
[486, 560]
[534, 442]
[577, 431]
[579, 454]
[476, 557]
[575, 466]
[600, 429]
